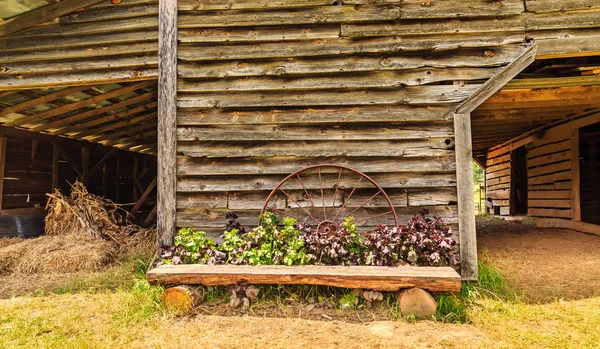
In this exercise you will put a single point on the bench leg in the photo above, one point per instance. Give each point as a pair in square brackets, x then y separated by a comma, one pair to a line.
[183, 298]
[416, 302]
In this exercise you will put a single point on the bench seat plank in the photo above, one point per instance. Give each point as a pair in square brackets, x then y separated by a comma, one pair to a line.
[433, 279]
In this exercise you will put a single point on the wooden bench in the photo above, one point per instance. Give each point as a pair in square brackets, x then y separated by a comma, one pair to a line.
[433, 279]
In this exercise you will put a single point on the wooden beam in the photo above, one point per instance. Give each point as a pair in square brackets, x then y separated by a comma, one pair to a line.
[466, 201]
[55, 166]
[495, 83]
[143, 198]
[150, 217]
[559, 97]
[70, 160]
[167, 121]
[3, 144]
[43, 14]
[43, 99]
[434, 279]
[103, 160]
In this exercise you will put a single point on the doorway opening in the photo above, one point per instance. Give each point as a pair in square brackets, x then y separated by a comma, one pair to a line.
[518, 182]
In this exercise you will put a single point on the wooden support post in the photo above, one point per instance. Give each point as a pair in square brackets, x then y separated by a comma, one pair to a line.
[102, 161]
[150, 217]
[55, 166]
[466, 204]
[3, 143]
[143, 198]
[575, 175]
[85, 165]
[167, 124]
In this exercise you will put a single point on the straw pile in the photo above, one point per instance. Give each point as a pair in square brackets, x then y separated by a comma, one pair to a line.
[84, 232]
[85, 214]
[55, 254]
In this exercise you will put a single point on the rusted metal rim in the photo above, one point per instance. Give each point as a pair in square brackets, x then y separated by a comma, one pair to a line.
[320, 220]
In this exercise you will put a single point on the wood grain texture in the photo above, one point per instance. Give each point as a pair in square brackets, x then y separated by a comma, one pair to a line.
[465, 188]
[434, 279]
[167, 123]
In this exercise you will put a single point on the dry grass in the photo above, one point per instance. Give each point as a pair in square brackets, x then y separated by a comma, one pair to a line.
[55, 254]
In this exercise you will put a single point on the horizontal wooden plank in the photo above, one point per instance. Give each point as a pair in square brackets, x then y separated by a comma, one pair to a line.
[488, 25]
[342, 46]
[450, 8]
[541, 6]
[422, 148]
[98, 14]
[554, 186]
[259, 33]
[269, 182]
[80, 65]
[312, 115]
[308, 133]
[432, 196]
[433, 279]
[464, 57]
[550, 194]
[498, 194]
[550, 178]
[498, 167]
[208, 5]
[550, 148]
[391, 79]
[202, 200]
[549, 159]
[564, 20]
[566, 43]
[549, 203]
[545, 212]
[496, 174]
[429, 95]
[215, 219]
[189, 166]
[549, 169]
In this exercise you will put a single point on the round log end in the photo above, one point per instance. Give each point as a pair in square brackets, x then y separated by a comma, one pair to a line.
[417, 302]
[183, 298]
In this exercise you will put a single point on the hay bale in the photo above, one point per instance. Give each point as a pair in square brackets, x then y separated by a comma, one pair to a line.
[9, 241]
[56, 254]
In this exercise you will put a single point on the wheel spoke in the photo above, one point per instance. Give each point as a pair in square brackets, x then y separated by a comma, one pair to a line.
[322, 196]
[371, 217]
[361, 205]
[348, 198]
[300, 206]
[307, 194]
[337, 186]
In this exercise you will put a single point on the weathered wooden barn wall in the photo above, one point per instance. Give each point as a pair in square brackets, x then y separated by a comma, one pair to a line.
[266, 88]
[33, 167]
[497, 181]
[108, 42]
[552, 170]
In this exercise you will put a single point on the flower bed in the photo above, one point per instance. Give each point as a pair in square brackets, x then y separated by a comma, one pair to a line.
[423, 241]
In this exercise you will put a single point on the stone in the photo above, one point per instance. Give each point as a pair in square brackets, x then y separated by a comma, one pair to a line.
[417, 302]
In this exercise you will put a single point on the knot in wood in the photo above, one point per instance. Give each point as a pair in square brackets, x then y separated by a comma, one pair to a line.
[488, 53]
[497, 4]
[116, 2]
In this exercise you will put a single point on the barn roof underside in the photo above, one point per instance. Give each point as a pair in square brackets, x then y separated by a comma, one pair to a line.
[91, 74]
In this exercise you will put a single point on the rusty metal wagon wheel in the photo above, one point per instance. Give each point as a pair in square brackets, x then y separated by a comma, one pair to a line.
[322, 196]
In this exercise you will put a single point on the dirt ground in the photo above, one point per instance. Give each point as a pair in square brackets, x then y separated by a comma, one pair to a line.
[542, 264]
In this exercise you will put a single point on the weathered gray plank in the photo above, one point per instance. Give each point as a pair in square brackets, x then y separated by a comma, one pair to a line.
[390, 79]
[464, 185]
[430, 95]
[207, 5]
[80, 65]
[358, 114]
[566, 43]
[268, 182]
[474, 57]
[564, 20]
[189, 166]
[541, 6]
[450, 8]
[260, 33]
[307, 133]
[111, 13]
[453, 26]
[325, 47]
[167, 123]
[423, 148]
